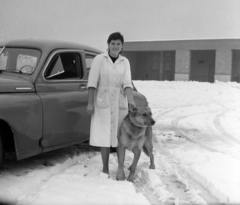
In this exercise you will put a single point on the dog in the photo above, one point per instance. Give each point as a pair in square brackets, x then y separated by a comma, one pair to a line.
[135, 134]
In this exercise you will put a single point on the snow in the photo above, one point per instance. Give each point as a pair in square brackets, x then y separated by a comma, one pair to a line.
[209, 115]
[196, 149]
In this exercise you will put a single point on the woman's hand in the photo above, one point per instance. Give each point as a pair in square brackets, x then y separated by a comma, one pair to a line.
[129, 94]
[90, 109]
[131, 105]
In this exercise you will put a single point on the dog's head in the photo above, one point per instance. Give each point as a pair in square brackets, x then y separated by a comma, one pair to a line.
[141, 116]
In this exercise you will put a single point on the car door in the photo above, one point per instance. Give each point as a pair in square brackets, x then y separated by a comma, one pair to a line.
[64, 99]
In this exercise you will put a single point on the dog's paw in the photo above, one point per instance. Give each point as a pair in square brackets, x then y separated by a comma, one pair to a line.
[130, 177]
[120, 176]
[152, 166]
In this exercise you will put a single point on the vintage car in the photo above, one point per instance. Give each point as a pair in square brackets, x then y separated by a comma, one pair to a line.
[43, 96]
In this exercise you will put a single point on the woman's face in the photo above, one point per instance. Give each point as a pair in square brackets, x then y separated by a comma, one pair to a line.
[115, 47]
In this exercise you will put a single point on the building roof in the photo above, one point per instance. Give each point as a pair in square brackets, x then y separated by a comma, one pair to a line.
[190, 44]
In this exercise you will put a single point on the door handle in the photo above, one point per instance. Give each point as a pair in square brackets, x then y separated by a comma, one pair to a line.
[82, 87]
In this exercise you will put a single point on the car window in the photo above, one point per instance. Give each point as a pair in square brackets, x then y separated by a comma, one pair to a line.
[64, 66]
[3, 61]
[26, 63]
[19, 60]
[89, 59]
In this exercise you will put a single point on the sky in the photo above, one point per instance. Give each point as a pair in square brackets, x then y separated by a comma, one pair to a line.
[196, 152]
[91, 21]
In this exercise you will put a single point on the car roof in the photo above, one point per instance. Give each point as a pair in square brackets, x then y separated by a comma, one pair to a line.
[48, 45]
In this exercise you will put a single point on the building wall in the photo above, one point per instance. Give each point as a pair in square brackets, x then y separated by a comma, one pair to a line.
[223, 56]
[133, 61]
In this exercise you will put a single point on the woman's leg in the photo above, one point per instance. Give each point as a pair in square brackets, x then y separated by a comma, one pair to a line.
[105, 158]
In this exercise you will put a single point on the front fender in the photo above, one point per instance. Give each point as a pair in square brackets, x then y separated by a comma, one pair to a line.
[23, 113]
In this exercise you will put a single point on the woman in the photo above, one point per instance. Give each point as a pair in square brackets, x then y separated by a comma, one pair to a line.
[109, 93]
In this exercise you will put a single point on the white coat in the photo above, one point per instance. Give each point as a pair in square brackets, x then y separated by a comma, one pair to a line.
[110, 103]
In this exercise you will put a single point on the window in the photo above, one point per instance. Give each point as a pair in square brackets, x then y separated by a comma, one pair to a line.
[3, 60]
[89, 60]
[19, 60]
[64, 66]
[26, 63]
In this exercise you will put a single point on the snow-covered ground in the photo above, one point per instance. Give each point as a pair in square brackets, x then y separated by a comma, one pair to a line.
[196, 150]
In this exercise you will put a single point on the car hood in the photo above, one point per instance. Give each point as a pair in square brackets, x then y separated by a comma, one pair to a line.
[12, 84]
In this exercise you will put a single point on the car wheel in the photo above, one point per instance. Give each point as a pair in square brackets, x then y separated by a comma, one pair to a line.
[1, 151]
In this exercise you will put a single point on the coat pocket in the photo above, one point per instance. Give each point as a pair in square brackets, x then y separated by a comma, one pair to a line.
[102, 100]
[123, 103]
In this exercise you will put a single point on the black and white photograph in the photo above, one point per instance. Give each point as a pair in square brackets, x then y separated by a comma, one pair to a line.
[108, 102]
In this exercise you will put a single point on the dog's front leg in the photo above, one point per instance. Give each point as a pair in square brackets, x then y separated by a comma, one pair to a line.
[152, 165]
[137, 153]
[121, 157]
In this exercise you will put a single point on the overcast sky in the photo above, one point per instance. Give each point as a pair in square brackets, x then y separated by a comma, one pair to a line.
[91, 21]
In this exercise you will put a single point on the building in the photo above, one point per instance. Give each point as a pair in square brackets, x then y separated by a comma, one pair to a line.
[183, 60]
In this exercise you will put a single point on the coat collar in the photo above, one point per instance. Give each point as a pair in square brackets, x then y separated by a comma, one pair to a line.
[120, 57]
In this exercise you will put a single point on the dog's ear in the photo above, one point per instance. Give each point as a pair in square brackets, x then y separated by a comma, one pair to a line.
[132, 110]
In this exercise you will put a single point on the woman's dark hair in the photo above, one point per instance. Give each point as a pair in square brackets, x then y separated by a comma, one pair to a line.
[115, 36]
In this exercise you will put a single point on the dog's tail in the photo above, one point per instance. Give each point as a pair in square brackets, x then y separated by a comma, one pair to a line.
[148, 146]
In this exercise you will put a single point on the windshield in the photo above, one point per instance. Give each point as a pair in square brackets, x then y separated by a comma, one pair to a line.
[1, 50]
[20, 60]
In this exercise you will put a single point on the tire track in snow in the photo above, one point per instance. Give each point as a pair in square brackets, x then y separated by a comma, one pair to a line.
[190, 190]
[179, 182]
[224, 133]
[30, 175]
[194, 159]
[216, 137]
[168, 183]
